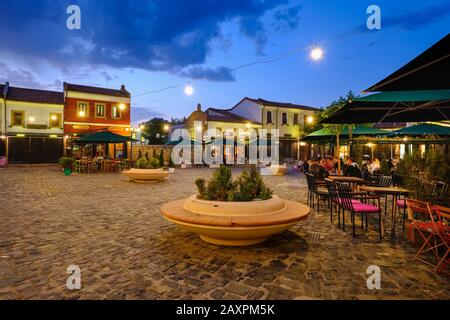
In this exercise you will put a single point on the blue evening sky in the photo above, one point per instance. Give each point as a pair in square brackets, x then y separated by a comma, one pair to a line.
[150, 45]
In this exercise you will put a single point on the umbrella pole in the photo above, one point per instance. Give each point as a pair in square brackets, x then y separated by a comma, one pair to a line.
[338, 154]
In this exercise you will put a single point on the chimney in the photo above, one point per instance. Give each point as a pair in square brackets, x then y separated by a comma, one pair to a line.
[199, 107]
[122, 88]
[5, 89]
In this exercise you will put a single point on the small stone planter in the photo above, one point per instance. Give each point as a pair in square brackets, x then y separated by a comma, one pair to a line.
[235, 223]
[146, 175]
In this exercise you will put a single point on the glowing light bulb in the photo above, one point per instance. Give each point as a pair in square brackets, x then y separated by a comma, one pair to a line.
[188, 90]
[166, 127]
[141, 127]
[54, 117]
[309, 120]
[81, 113]
[121, 106]
[31, 119]
[248, 125]
[316, 53]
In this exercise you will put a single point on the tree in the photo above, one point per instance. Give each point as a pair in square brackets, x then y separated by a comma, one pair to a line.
[337, 128]
[154, 130]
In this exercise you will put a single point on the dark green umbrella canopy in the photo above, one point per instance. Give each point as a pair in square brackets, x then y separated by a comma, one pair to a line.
[423, 129]
[103, 137]
[395, 106]
[428, 71]
[326, 134]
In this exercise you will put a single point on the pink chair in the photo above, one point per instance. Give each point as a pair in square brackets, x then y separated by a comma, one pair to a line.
[353, 204]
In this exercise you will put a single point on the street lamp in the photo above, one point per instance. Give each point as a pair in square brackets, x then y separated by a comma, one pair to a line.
[188, 90]
[316, 54]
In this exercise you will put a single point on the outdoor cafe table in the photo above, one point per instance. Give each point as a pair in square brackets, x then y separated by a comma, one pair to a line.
[354, 181]
[395, 192]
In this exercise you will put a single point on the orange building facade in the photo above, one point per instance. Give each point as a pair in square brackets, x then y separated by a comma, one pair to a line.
[91, 109]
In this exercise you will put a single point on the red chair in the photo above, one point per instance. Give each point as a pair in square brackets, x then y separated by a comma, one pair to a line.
[443, 214]
[420, 214]
[353, 204]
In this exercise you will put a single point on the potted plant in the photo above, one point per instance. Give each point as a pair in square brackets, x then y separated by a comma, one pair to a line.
[234, 212]
[66, 165]
[146, 170]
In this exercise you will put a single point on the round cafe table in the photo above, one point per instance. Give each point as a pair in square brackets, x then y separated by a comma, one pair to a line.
[394, 192]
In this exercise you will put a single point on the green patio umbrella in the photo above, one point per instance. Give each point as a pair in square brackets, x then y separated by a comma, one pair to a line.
[423, 129]
[395, 106]
[103, 137]
[326, 134]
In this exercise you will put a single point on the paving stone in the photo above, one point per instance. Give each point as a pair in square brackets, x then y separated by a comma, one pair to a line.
[114, 232]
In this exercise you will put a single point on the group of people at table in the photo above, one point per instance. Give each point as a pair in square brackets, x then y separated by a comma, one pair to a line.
[99, 163]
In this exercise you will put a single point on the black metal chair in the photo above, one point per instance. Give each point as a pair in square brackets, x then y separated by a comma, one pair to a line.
[313, 191]
[351, 203]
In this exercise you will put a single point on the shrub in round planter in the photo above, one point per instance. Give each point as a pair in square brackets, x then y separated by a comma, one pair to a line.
[66, 164]
[236, 212]
[146, 170]
[143, 163]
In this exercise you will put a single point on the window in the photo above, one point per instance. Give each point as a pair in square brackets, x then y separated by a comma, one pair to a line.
[295, 119]
[269, 116]
[55, 120]
[82, 109]
[17, 118]
[284, 118]
[99, 110]
[115, 112]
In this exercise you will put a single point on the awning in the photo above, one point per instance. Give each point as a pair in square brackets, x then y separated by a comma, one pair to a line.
[326, 134]
[103, 137]
[395, 106]
[423, 129]
[428, 71]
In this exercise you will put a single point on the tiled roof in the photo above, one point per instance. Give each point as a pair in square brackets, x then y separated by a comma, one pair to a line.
[226, 116]
[281, 104]
[97, 90]
[34, 95]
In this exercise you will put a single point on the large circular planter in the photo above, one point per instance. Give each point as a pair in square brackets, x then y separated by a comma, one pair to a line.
[278, 169]
[235, 223]
[146, 175]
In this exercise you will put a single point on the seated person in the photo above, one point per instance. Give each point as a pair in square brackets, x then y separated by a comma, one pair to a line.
[317, 170]
[352, 169]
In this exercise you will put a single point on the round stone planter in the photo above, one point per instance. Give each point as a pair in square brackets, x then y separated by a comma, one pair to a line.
[146, 175]
[235, 223]
[278, 170]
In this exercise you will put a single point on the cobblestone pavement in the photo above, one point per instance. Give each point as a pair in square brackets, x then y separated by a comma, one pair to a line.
[114, 232]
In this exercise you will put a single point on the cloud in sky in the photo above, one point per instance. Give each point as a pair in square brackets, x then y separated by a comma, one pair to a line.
[419, 18]
[212, 74]
[173, 36]
[410, 20]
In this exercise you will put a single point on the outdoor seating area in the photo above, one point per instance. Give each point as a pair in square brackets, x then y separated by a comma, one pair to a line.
[99, 164]
[384, 204]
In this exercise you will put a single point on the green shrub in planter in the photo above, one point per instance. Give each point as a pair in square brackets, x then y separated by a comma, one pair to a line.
[141, 163]
[153, 163]
[247, 187]
[66, 164]
[161, 158]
